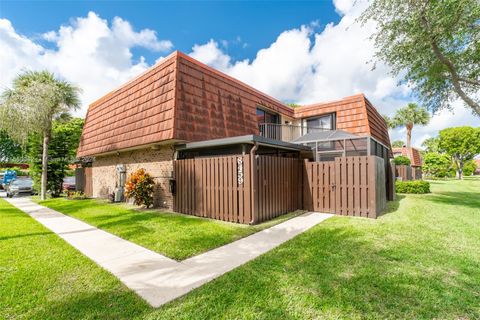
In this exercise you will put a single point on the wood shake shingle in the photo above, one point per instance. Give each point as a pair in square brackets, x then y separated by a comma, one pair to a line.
[182, 99]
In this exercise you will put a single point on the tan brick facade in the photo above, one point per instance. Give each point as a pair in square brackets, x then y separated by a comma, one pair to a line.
[157, 162]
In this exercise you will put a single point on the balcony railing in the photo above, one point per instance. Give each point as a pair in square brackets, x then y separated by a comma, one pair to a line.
[285, 132]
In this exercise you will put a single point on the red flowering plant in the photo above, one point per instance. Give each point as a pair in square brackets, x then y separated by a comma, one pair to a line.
[140, 186]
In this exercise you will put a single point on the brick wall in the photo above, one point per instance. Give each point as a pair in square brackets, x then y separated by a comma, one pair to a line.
[159, 163]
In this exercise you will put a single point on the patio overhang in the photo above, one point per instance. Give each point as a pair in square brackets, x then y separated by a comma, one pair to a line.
[243, 140]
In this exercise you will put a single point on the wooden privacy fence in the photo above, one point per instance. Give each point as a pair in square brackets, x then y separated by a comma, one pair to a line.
[404, 172]
[245, 190]
[277, 186]
[222, 188]
[351, 186]
[83, 180]
[217, 188]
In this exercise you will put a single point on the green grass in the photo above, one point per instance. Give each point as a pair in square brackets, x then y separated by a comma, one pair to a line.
[42, 277]
[418, 261]
[177, 236]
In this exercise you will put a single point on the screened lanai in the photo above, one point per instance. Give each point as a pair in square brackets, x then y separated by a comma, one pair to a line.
[328, 145]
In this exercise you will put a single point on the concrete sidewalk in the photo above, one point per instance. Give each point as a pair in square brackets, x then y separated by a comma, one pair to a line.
[156, 278]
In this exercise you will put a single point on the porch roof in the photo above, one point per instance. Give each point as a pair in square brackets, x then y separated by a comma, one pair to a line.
[331, 135]
[246, 139]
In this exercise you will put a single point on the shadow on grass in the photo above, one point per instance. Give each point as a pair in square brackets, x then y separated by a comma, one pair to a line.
[338, 273]
[118, 304]
[454, 198]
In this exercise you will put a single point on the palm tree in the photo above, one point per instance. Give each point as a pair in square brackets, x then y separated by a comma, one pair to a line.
[30, 106]
[408, 116]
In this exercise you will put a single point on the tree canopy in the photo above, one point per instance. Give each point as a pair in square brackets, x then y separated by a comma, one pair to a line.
[461, 144]
[10, 150]
[29, 107]
[433, 45]
[398, 143]
[62, 151]
[431, 145]
[408, 116]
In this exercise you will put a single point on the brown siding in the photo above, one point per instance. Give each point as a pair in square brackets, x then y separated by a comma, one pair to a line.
[212, 105]
[138, 113]
[377, 125]
[355, 114]
[350, 111]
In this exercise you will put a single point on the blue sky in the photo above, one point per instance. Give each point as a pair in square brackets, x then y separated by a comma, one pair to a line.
[247, 26]
[302, 52]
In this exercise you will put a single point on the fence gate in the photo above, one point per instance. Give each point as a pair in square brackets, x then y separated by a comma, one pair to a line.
[319, 186]
[351, 186]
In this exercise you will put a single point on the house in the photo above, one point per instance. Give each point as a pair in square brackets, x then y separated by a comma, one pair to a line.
[415, 160]
[477, 171]
[181, 108]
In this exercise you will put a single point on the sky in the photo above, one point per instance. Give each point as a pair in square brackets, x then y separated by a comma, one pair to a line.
[295, 51]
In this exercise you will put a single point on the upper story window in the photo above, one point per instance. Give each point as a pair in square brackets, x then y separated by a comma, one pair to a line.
[325, 122]
[264, 116]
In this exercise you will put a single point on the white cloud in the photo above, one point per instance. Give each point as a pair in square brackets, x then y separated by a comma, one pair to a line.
[305, 66]
[211, 54]
[89, 52]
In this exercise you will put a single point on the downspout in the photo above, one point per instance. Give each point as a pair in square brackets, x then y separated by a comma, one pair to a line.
[252, 182]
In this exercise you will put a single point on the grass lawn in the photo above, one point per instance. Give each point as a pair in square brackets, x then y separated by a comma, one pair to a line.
[177, 236]
[419, 261]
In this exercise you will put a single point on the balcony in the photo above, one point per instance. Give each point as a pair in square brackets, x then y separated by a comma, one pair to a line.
[285, 132]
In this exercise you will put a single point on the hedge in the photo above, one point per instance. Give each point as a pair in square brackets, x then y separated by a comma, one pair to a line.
[416, 186]
[401, 160]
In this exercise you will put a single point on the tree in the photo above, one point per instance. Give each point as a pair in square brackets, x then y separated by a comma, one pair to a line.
[294, 105]
[10, 151]
[401, 161]
[436, 165]
[62, 150]
[432, 45]
[388, 121]
[398, 143]
[31, 105]
[461, 144]
[408, 116]
[431, 145]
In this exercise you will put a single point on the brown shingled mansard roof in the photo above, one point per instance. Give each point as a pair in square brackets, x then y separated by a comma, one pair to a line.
[182, 99]
[413, 154]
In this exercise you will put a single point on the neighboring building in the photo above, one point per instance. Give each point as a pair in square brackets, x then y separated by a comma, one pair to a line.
[415, 160]
[412, 153]
[180, 100]
[477, 171]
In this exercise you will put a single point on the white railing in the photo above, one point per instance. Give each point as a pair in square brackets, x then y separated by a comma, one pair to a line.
[285, 132]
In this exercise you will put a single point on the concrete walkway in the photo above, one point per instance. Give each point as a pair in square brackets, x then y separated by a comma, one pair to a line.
[156, 278]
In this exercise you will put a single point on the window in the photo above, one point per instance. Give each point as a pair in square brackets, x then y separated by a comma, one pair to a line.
[266, 117]
[326, 122]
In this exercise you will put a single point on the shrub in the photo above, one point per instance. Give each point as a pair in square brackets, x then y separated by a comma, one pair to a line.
[139, 186]
[76, 195]
[469, 168]
[417, 186]
[401, 160]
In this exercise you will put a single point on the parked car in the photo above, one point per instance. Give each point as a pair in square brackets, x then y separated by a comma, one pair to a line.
[7, 176]
[69, 184]
[19, 186]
